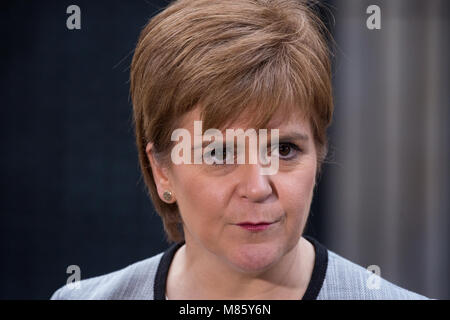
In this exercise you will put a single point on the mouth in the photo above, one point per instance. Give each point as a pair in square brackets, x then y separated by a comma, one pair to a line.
[256, 226]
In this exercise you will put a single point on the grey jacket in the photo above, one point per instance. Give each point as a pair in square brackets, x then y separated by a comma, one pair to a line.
[333, 278]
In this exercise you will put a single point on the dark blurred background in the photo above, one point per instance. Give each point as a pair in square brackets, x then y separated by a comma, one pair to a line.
[71, 191]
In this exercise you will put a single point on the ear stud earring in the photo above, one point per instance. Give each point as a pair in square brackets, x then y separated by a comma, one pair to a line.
[167, 195]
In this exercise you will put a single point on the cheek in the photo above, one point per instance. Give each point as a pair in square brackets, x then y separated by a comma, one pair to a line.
[200, 200]
[295, 195]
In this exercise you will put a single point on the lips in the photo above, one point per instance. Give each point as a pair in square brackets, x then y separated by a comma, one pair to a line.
[255, 226]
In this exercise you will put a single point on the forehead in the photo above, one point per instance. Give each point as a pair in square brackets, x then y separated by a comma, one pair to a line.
[286, 122]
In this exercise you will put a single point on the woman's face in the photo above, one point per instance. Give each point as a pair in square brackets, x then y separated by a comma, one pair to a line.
[214, 200]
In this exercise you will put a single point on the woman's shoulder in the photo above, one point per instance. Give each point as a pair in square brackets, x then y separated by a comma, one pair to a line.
[349, 281]
[134, 282]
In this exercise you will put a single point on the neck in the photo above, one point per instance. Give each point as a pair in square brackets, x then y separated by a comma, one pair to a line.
[196, 273]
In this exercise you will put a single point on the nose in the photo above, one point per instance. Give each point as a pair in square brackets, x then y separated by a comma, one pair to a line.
[254, 186]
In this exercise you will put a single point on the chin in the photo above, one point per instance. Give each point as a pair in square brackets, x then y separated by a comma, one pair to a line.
[255, 257]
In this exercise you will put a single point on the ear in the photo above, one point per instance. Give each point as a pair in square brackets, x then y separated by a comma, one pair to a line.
[161, 174]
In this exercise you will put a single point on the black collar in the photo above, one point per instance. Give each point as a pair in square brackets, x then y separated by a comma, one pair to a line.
[314, 286]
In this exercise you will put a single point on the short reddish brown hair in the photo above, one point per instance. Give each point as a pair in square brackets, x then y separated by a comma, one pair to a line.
[226, 57]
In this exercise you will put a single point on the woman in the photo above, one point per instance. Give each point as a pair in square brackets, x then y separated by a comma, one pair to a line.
[237, 233]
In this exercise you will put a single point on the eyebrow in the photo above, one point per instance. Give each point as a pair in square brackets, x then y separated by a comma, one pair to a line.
[294, 136]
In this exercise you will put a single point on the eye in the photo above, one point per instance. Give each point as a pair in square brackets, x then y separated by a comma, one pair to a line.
[288, 150]
[214, 158]
[284, 150]
[212, 154]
